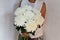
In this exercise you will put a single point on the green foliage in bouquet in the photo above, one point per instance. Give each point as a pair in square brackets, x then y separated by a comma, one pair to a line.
[20, 28]
[20, 37]
[23, 30]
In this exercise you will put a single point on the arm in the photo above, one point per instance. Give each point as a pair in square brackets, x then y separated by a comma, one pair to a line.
[43, 10]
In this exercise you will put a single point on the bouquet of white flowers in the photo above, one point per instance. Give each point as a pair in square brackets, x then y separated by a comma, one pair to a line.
[27, 19]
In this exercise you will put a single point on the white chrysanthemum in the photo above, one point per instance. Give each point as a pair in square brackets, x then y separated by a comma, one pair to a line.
[28, 14]
[19, 11]
[39, 20]
[31, 26]
[19, 21]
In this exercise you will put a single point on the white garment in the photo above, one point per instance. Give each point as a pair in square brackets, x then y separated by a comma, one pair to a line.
[37, 5]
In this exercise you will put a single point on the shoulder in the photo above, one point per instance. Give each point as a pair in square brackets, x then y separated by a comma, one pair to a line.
[43, 9]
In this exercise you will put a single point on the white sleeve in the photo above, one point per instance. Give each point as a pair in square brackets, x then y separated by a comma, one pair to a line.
[38, 33]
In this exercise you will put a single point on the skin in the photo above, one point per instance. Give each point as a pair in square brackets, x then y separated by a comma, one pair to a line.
[43, 10]
[32, 1]
[25, 34]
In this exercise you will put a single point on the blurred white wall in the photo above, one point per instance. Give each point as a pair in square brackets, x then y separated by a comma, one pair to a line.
[7, 30]
[52, 23]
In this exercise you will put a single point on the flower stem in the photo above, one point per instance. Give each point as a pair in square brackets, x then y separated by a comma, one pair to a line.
[25, 38]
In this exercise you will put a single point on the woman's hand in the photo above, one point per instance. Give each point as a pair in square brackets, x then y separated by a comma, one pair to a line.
[25, 34]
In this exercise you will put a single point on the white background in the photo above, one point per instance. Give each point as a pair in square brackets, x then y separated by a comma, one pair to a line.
[7, 30]
[51, 26]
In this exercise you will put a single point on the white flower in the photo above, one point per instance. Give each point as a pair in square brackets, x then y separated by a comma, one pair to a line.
[19, 11]
[39, 20]
[31, 26]
[19, 21]
[28, 14]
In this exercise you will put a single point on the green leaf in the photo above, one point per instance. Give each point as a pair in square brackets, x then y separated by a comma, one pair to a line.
[33, 33]
[17, 28]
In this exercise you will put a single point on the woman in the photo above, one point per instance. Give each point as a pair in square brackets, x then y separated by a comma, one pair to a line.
[40, 5]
